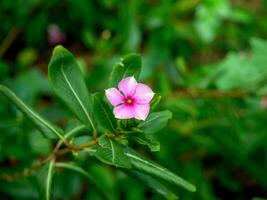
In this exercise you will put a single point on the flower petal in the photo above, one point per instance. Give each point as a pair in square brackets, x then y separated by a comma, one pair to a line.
[114, 96]
[128, 86]
[143, 94]
[123, 112]
[141, 111]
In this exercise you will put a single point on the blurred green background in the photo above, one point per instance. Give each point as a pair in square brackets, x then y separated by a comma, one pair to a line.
[208, 59]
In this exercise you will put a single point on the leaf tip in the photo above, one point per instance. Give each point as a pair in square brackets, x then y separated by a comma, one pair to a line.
[193, 188]
[59, 50]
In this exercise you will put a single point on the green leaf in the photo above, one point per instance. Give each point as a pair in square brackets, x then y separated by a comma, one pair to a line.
[87, 175]
[68, 83]
[130, 65]
[153, 183]
[46, 128]
[49, 180]
[147, 140]
[155, 121]
[75, 130]
[110, 152]
[147, 166]
[104, 114]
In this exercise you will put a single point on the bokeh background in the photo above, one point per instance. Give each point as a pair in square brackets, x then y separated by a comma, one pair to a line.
[207, 58]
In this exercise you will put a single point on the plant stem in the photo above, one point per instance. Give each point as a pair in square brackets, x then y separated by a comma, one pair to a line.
[53, 156]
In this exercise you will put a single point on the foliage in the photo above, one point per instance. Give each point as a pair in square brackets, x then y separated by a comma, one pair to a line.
[204, 59]
[110, 148]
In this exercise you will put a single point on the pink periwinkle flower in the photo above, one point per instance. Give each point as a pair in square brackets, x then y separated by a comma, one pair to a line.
[55, 35]
[132, 100]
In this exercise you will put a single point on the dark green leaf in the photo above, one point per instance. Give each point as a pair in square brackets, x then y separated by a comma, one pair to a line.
[68, 83]
[110, 152]
[152, 183]
[87, 175]
[130, 65]
[104, 114]
[48, 193]
[147, 166]
[155, 121]
[44, 126]
[43, 180]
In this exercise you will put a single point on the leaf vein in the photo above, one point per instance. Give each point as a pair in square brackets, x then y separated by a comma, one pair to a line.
[77, 97]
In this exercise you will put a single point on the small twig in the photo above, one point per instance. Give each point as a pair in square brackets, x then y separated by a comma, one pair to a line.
[95, 135]
[54, 155]
[9, 39]
[15, 31]
[85, 145]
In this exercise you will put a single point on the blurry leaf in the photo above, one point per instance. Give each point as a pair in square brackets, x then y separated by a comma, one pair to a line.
[110, 152]
[82, 11]
[152, 183]
[88, 38]
[39, 144]
[155, 101]
[44, 126]
[43, 180]
[104, 114]
[21, 188]
[209, 16]
[134, 36]
[155, 121]
[243, 71]
[78, 140]
[165, 87]
[48, 192]
[87, 175]
[186, 5]
[147, 166]
[68, 83]
[106, 178]
[27, 56]
[181, 66]
[130, 65]
[75, 128]
[30, 92]
[36, 29]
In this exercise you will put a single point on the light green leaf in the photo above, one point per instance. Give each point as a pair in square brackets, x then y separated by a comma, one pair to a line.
[49, 180]
[245, 72]
[104, 114]
[46, 128]
[68, 83]
[130, 65]
[153, 183]
[155, 121]
[87, 175]
[110, 152]
[147, 166]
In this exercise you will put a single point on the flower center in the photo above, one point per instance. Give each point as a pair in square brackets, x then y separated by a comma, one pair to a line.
[129, 101]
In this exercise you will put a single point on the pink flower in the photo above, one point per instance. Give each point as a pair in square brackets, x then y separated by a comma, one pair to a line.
[132, 100]
[55, 35]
